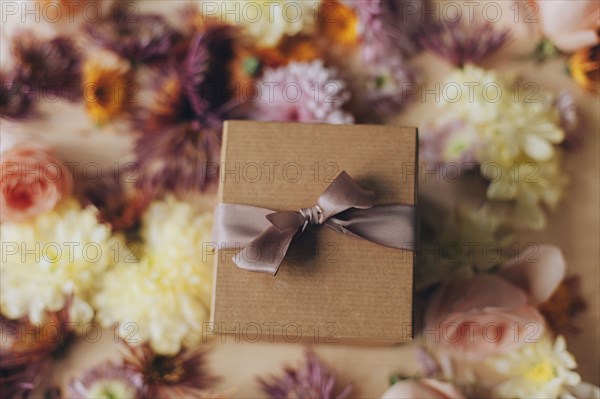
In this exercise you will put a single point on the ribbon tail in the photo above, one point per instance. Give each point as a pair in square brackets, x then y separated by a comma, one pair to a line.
[265, 253]
[388, 225]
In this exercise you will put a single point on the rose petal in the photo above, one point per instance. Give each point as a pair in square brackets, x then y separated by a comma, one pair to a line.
[560, 18]
[538, 274]
[482, 291]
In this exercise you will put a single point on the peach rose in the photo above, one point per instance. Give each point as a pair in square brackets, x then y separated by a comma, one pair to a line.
[492, 314]
[571, 25]
[32, 181]
[425, 388]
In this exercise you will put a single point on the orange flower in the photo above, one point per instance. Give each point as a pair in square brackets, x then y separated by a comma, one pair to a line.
[106, 90]
[272, 57]
[63, 10]
[296, 48]
[339, 23]
[301, 49]
[584, 68]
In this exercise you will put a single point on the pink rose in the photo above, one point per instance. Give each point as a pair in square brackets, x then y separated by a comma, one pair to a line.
[425, 388]
[571, 25]
[492, 314]
[32, 182]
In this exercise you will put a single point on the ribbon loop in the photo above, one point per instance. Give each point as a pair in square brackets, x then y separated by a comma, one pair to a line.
[344, 206]
[342, 194]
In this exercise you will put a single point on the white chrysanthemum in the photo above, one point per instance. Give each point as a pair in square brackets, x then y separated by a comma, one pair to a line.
[514, 120]
[52, 256]
[537, 370]
[265, 20]
[517, 132]
[165, 297]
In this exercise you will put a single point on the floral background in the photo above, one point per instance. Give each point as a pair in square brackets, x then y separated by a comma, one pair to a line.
[387, 62]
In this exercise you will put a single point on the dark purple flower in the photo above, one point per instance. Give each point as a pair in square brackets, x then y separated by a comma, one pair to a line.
[198, 89]
[107, 380]
[169, 107]
[25, 358]
[179, 140]
[182, 375]
[180, 158]
[20, 370]
[118, 200]
[205, 73]
[195, 68]
[311, 380]
[138, 38]
[53, 66]
[462, 42]
[16, 100]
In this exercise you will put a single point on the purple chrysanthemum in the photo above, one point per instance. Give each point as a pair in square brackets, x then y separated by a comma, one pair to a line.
[311, 380]
[205, 75]
[389, 83]
[119, 204]
[182, 375]
[459, 42]
[389, 27]
[194, 72]
[138, 38]
[179, 159]
[16, 102]
[53, 66]
[178, 145]
[20, 369]
[107, 380]
[24, 359]
[302, 92]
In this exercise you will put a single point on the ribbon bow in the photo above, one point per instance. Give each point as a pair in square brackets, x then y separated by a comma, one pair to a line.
[344, 206]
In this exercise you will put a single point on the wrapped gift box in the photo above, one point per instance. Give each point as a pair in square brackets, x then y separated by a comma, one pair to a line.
[331, 287]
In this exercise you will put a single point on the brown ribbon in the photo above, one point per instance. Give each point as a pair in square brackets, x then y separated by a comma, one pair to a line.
[265, 235]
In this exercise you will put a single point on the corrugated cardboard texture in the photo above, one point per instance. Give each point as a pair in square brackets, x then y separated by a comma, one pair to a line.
[330, 287]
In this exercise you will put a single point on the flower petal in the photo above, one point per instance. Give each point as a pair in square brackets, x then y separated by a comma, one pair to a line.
[538, 148]
[538, 273]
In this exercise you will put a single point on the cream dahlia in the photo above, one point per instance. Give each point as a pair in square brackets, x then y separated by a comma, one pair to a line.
[55, 255]
[166, 294]
[510, 131]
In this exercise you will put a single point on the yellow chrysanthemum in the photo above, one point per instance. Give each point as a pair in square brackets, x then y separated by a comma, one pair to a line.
[538, 370]
[165, 297]
[53, 256]
[265, 20]
[107, 89]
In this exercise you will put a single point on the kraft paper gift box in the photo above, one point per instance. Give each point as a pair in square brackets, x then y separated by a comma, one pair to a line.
[330, 287]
